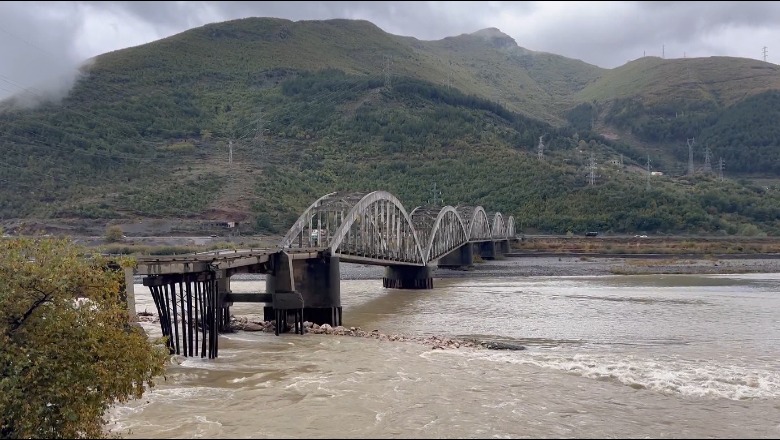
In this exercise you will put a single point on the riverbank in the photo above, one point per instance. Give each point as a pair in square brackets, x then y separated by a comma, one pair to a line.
[562, 266]
[576, 266]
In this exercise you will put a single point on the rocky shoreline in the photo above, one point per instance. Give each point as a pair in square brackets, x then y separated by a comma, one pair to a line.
[243, 323]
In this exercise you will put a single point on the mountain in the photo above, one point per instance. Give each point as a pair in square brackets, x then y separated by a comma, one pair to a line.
[726, 104]
[251, 120]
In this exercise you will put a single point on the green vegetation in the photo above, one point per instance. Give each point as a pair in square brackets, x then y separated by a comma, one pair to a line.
[290, 111]
[114, 234]
[67, 348]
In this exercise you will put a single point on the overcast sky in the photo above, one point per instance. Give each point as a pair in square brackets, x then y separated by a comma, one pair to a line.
[41, 41]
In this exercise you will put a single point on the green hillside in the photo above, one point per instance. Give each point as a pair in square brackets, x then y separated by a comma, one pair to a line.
[724, 103]
[251, 120]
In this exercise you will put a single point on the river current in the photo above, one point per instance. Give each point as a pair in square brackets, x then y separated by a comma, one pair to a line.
[615, 356]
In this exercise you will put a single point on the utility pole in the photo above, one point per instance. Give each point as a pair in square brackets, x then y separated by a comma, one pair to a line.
[592, 169]
[230, 154]
[663, 51]
[647, 186]
[721, 166]
[764, 53]
[690, 141]
[707, 164]
[540, 149]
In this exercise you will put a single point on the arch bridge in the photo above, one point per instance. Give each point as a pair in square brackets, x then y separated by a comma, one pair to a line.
[375, 228]
[192, 292]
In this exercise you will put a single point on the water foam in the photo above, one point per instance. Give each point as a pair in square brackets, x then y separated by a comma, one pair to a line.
[668, 375]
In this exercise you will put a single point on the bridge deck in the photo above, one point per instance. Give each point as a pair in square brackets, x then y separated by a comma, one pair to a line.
[217, 260]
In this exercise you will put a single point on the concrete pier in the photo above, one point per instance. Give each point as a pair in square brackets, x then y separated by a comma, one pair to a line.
[458, 258]
[408, 277]
[318, 281]
[487, 250]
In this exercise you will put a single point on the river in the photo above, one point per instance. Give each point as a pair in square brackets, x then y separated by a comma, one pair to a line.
[608, 356]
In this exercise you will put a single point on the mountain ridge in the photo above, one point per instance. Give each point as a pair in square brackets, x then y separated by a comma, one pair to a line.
[256, 118]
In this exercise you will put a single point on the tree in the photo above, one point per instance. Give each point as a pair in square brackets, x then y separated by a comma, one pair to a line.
[114, 234]
[67, 348]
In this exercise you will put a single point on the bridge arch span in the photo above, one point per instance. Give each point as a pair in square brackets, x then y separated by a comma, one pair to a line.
[375, 228]
[510, 227]
[447, 231]
[378, 227]
[498, 228]
[304, 220]
[476, 221]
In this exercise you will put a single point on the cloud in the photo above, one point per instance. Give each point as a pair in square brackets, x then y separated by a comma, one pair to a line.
[45, 40]
[39, 59]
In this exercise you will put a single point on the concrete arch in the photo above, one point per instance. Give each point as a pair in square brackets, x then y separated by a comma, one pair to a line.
[497, 228]
[361, 207]
[480, 227]
[437, 226]
[510, 227]
[303, 221]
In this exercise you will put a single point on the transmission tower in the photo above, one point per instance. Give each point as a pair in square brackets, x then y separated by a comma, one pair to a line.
[259, 130]
[765, 53]
[540, 148]
[592, 175]
[436, 196]
[707, 164]
[721, 166]
[647, 186]
[449, 76]
[690, 141]
[387, 72]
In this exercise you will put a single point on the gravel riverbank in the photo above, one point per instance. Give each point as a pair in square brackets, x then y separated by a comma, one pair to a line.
[574, 266]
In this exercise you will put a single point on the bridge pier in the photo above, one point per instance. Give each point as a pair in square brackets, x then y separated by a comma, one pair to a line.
[130, 295]
[460, 257]
[503, 247]
[317, 280]
[487, 250]
[408, 277]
